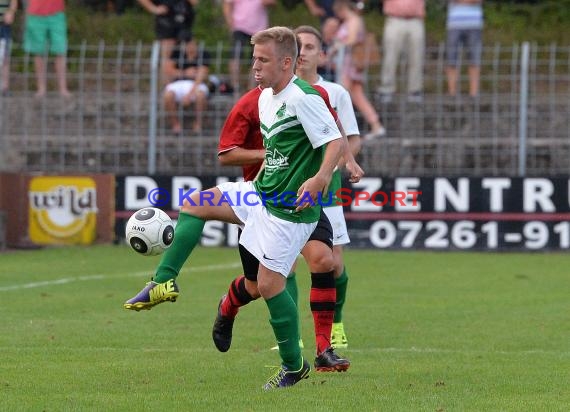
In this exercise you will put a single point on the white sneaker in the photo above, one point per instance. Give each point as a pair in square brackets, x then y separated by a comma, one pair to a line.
[385, 98]
[381, 132]
[415, 97]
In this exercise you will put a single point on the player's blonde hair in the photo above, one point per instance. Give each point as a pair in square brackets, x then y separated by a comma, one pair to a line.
[283, 37]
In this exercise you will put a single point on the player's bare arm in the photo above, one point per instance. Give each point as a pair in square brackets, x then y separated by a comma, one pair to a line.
[239, 156]
[347, 160]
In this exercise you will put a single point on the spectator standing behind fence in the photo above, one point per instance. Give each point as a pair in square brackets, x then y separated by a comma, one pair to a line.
[323, 9]
[464, 31]
[173, 22]
[404, 32]
[327, 68]
[46, 31]
[7, 11]
[350, 35]
[244, 18]
[188, 65]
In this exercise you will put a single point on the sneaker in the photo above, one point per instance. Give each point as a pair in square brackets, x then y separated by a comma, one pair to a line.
[338, 337]
[385, 98]
[284, 377]
[301, 345]
[415, 97]
[381, 132]
[222, 330]
[153, 294]
[328, 361]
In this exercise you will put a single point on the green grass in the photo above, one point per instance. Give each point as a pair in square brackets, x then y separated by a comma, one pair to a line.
[427, 332]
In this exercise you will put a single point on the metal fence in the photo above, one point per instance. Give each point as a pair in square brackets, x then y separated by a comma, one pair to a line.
[115, 121]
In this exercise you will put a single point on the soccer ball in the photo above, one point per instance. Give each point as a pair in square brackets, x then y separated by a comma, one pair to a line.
[149, 231]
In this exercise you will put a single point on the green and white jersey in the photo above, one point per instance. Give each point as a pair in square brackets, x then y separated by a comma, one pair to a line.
[295, 125]
[342, 104]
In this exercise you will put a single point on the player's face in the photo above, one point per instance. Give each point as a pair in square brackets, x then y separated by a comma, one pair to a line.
[310, 52]
[269, 69]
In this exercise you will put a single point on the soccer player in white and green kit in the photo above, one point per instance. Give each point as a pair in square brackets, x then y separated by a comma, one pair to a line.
[303, 146]
[323, 252]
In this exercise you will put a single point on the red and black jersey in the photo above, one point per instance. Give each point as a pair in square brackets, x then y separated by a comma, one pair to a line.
[242, 127]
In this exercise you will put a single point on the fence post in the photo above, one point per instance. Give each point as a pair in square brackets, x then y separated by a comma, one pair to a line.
[523, 107]
[2, 113]
[154, 67]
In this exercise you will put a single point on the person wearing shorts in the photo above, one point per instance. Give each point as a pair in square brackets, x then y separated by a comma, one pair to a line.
[189, 66]
[173, 23]
[7, 11]
[464, 32]
[244, 18]
[46, 33]
[302, 147]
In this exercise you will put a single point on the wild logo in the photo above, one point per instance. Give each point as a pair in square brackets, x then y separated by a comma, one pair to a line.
[63, 210]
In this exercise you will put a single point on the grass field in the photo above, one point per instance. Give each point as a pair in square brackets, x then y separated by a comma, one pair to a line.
[427, 332]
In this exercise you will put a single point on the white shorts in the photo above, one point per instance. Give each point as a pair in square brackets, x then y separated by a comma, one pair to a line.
[275, 242]
[338, 223]
[181, 88]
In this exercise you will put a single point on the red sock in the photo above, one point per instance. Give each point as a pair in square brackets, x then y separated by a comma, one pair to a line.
[237, 297]
[323, 298]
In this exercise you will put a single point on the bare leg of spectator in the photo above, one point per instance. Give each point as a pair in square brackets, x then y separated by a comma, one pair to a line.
[234, 74]
[201, 104]
[40, 67]
[474, 73]
[170, 106]
[364, 106]
[5, 76]
[452, 78]
[166, 46]
[61, 72]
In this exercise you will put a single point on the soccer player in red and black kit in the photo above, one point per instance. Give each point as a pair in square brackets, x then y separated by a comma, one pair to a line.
[241, 144]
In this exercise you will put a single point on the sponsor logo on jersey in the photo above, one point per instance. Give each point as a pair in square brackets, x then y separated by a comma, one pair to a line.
[275, 161]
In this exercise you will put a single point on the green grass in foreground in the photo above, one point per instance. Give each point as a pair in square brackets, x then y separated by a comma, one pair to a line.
[427, 332]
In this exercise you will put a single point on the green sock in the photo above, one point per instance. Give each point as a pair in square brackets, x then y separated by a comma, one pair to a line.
[292, 288]
[284, 320]
[341, 284]
[186, 236]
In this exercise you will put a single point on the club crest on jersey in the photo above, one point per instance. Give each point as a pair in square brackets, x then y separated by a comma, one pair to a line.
[275, 160]
[281, 112]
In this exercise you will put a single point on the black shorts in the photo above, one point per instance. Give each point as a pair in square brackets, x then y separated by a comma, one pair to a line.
[241, 43]
[323, 233]
[249, 263]
[168, 27]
